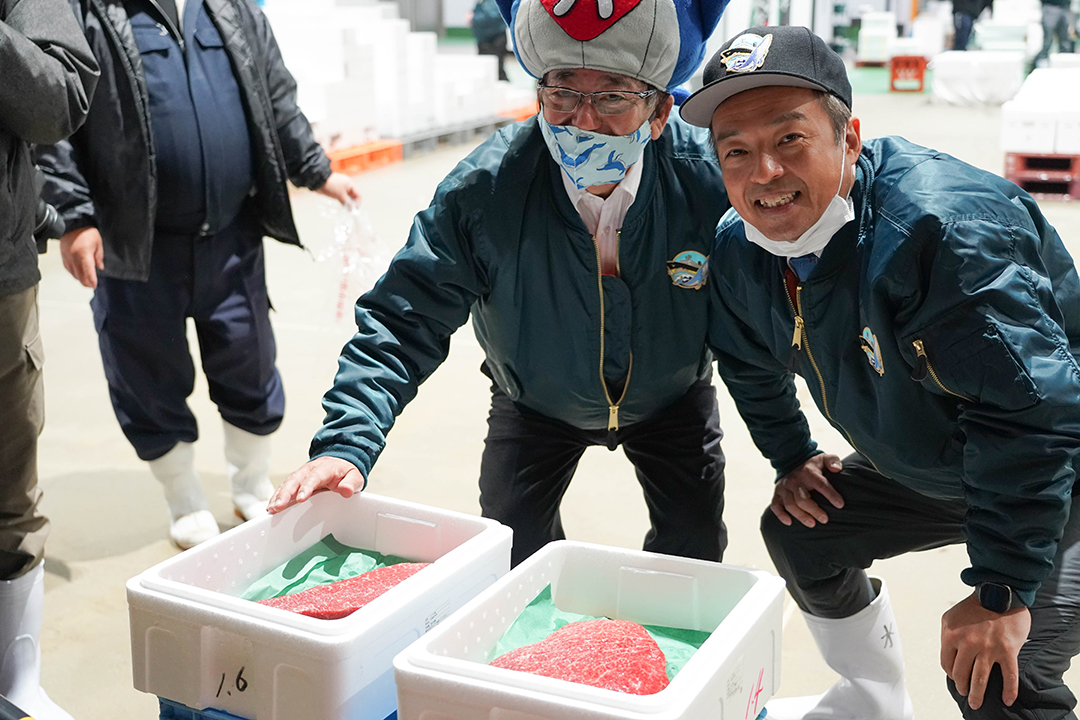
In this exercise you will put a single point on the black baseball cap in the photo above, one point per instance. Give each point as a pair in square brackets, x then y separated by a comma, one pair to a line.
[788, 55]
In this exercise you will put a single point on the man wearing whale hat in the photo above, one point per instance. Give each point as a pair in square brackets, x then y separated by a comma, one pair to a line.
[577, 242]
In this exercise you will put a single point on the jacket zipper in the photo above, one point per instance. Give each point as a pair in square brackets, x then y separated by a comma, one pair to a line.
[925, 368]
[801, 340]
[172, 28]
[613, 406]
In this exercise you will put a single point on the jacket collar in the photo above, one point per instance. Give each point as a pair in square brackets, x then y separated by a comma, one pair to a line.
[844, 242]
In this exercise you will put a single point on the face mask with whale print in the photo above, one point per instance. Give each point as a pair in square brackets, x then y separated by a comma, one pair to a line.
[590, 158]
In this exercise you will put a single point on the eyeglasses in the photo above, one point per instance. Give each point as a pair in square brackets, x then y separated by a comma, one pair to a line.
[609, 102]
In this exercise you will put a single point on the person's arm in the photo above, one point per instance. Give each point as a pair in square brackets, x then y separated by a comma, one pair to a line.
[994, 336]
[403, 334]
[81, 247]
[762, 387]
[49, 73]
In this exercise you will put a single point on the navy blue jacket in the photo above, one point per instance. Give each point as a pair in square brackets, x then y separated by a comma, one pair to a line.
[941, 331]
[107, 176]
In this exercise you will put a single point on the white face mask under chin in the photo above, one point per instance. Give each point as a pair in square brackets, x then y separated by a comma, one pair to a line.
[839, 212]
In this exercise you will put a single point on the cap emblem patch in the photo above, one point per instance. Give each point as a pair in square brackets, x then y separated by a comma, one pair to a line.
[746, 53]
[584, 20]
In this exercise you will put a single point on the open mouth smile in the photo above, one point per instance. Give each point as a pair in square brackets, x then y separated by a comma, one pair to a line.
[776, 201]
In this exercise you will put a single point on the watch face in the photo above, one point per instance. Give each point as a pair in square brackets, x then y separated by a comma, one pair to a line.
[995, 597]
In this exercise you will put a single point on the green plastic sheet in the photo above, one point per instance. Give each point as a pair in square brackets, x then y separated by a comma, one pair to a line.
[541, 618]
[324, 562]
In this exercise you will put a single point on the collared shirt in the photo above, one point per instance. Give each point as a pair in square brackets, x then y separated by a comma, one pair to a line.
[604, 216]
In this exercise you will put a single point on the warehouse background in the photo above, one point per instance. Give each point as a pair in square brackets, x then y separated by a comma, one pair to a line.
[106, 508]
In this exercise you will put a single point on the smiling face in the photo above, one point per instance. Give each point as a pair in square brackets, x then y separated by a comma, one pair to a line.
[585, 116]
[780, 158]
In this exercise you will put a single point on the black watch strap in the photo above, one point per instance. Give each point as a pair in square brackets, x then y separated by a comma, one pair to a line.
[997, 597]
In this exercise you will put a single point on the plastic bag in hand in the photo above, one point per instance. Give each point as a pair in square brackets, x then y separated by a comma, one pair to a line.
[355, 258]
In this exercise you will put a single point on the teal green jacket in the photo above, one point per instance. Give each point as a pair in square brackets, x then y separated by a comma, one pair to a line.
[502, 242]
[939, 333]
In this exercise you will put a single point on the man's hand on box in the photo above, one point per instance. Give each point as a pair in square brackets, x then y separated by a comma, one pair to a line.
[318, 475]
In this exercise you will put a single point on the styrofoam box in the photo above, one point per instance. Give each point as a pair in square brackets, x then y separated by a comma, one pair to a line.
[1067, 135]
[1027, 129]
[195, 642]
[874, 45]
[976, 77]
[1064, 60]
[445, 675]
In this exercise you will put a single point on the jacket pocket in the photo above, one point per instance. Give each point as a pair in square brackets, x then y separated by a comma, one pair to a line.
[971, 361]
[208, 37]
[35, 352]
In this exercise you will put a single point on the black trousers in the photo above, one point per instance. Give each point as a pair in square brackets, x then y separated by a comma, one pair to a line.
[824, 567]
[142, 332]
[529, 460]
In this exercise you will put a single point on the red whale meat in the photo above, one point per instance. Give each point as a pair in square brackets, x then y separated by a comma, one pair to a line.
[344, 597]
[610, 654]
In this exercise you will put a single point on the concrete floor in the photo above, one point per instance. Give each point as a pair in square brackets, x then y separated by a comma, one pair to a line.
[108, 514]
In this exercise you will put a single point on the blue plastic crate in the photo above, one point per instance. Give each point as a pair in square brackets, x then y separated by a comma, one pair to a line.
[170, 710]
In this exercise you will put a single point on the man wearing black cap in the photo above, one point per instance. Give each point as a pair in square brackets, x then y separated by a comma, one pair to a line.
[936, 318]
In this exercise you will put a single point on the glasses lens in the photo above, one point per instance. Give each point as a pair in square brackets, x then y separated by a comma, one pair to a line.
[614, 103]
[561, 100]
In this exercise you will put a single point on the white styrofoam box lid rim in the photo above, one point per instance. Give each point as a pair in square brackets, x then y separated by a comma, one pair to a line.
[155, 579]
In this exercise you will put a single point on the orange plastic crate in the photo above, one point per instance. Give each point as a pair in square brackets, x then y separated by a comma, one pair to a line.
[522, 113]
[906, 73]
[366, 157]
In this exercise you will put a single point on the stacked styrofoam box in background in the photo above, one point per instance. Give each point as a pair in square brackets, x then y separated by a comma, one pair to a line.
[1042, 119]
[463, 92]
[1013, 26]
[929, 31]
[363, 74]
[510, 99]
[196, 642]
[445, 675]
[1064, 60]
[976, 77]
[877, 32]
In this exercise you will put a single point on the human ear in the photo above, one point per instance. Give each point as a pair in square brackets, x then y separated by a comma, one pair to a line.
[660, 117]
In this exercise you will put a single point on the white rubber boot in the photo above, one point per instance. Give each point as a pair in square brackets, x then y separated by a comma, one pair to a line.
[248, 459]
[190, 520]
[20, 654]
[865, 650]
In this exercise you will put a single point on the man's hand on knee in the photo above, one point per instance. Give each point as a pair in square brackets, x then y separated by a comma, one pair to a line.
[974, 639]
[792, 497]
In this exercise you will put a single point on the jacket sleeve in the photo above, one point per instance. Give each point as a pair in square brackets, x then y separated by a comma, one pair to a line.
[65, 188]
[49, 73]
[403, 330]
[994, 336]
[762, 388]
[305, 160]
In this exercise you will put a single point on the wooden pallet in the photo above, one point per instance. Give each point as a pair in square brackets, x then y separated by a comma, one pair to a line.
[1045, 177]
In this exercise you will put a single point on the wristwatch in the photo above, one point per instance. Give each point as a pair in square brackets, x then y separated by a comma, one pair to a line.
[996, 597]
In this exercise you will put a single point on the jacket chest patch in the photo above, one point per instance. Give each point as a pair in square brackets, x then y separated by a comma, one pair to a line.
[870, 346]
[689, 269]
